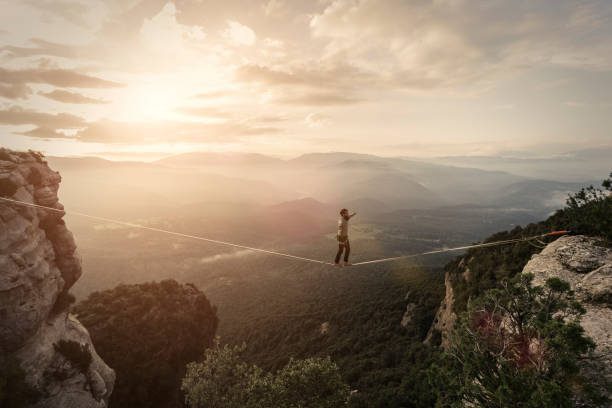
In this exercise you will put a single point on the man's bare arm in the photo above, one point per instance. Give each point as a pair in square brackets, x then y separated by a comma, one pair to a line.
[352, 215]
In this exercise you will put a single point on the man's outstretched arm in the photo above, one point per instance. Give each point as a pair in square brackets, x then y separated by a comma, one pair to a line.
[352, 215]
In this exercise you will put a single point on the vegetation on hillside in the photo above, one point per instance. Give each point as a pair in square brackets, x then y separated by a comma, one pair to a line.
[517, 345]
[224, 380]
[280, 310]
[588, 211]
[147, 333]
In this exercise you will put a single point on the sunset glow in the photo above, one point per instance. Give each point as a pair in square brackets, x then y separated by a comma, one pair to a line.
[280, 77]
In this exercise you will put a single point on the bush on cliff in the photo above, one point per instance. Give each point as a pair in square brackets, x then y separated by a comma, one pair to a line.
[223, 379]
[517, 345]
[147, 333]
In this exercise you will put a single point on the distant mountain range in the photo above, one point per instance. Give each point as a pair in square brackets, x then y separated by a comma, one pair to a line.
[367, 183]
[578, 166]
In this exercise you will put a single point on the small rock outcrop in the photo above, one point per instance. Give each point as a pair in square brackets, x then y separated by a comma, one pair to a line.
[445, 318]
[38, 265]
[408, 314]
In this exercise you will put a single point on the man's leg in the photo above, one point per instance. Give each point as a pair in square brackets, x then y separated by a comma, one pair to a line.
[347, 251]
[339, 254]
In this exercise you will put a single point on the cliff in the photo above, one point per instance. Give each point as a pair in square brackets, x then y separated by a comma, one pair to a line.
[39, 263]
[582, 261]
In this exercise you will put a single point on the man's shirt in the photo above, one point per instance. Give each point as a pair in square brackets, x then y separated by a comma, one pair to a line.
[343, 227]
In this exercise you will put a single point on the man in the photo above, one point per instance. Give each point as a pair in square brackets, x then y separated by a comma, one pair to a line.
[343, 241]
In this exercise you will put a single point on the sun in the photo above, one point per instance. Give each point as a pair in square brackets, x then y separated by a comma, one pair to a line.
[149, 100]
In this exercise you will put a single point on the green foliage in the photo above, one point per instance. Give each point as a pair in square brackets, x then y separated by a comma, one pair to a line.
[375, 354]
[15, 392]
[591, 210]
[224, 380]
[517, 345]
[78, 354]
[587, 212]
[147, 333]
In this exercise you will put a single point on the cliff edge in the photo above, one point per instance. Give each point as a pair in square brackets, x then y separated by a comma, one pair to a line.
[582, 261]
[38, 265]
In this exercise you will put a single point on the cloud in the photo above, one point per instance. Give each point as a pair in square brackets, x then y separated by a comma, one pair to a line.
[16, 91]
[323, 76]
[58, 77]
[44, 133]
[71, 11]
[43, 47]
[204, 111]
[323, 85]
[17, 115]
[65, 125]
[273, 7]
[449, 43]
[319, 99]
[164, 34]
[107, 131]
[212, 94]
[46, 125]
[317, 120]
[239, 34]
[70, 97]
[228, 255]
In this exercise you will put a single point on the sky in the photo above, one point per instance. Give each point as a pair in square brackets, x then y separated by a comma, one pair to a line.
[147, 78]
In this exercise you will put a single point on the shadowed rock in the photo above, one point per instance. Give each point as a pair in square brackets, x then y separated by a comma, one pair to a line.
[39, 263]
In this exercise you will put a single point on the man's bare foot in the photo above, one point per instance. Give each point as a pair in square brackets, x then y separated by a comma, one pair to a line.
[348, 264]
[337, 264]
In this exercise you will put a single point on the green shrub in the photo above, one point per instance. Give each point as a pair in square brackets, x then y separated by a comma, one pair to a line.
[147, 333]
[76, 353]
[222, 379]
[517, 345]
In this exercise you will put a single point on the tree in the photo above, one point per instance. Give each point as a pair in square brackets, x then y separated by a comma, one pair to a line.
[147, 333]
[590, 209]
[223, 380]
[519, 345]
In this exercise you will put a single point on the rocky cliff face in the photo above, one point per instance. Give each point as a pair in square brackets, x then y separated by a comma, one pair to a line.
[445, 318]
[38, 265]
[579, 260]
[587, 266]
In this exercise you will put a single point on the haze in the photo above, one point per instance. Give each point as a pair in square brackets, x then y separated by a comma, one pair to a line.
[146, 79]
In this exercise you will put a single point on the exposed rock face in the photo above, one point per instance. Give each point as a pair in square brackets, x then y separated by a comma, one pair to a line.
[408, 314]
[578, 260]
[445, 317]
[587, 267]
[38, 264]
[582, 262]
